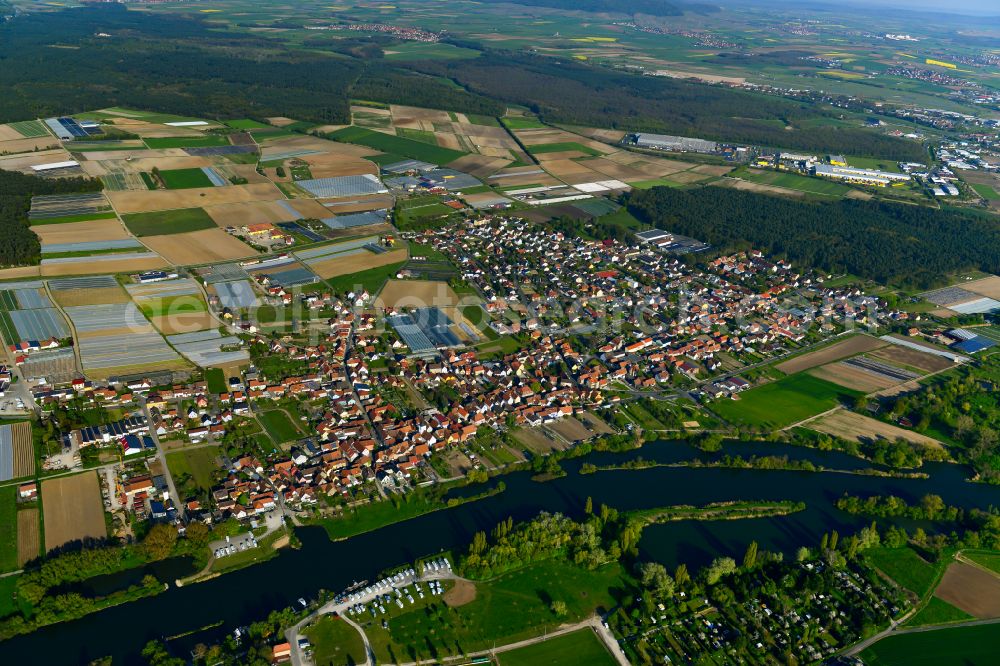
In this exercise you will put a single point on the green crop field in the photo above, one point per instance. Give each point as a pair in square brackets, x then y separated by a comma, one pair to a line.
[371, 280]
[335, 643]
[7, 328]
[207, 141]
[905, 567]
[173, 305]
[396, 145]
[654, 182]
[580, 648]
[84, 217]
[279, 426]
[245, 124]
[794, 181]
[986, 558]
[419, 208]
[937, 611]
[873, 163]
[29, 129]
[543, 148]
[184, 179]
[986, 192]
[956, 646]
[168, 222]
[428, 51]
[8, 528]
[195, 465]
[783, 402]
[216, 380]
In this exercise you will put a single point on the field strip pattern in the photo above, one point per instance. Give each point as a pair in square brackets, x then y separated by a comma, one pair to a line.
[39, 324]
[356, 219]
[214, 176]
[116, 256]
[17, 458]
[164, 289]
[343, 186]
[102, 344]
[284, 271]
[328, 251]
[236, 295]
[93, 282]
[32, 299]
[90, 246]
[881, 369]
[49, 206]
[222, 273]
[204, 348]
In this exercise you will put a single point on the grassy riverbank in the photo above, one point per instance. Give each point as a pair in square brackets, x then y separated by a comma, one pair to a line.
[717, 511]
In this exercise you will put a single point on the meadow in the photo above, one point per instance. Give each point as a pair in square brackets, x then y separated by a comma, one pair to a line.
[196, 464]
[905, 567]
[783, 402]
[579, 648]
[335, 643]
[207, 141]
[396, 145]
[956, 646]
[279, 426]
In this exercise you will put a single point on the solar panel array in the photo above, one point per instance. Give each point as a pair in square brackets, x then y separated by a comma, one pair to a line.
[236, 295]
[436, 325]
[343, 186]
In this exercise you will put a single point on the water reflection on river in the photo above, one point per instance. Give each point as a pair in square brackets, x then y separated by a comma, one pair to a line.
[243, 596]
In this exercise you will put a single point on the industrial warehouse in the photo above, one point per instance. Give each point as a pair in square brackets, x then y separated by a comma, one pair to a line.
[863, 176]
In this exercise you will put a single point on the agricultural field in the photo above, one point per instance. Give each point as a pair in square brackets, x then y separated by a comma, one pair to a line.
[73, 509]
[416, 293]
[116, 336]
[971, 589]
[579, 648]
[8, 528]
[370, 280]
[207, 141]
[28, 535]
[954, 646]
[793, 181]
[168, 222]
[783, 402]
[850, 425]
[183, 179]
[205, 245]
[17, 454]
[904, 566]
[396, 145]
[852, 346]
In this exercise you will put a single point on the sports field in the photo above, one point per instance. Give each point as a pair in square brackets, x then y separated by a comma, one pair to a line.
[168, 222]
[786, 401]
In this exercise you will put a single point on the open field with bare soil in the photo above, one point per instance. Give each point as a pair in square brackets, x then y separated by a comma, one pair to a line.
[852, 346]
[970, 588]
[912, 357]
[24, 452]
[100, 296]
[850, 425]
[73, 509]
[107, 265]
[28, 536]
[336, 266]
[199, 247]
[415, 293]
[988, 287]
[463, 592]
[72, 232]
[852, 377]
[183, 322]
[153, 200]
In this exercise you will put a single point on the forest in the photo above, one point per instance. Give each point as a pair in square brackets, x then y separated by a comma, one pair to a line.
[579, 94]
[909, 246]
[18, 245]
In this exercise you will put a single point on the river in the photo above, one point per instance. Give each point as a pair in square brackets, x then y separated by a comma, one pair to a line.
[244, 596]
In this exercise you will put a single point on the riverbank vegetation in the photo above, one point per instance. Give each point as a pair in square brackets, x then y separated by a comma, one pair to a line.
[398, 508]
[55, 588]
[718, 511]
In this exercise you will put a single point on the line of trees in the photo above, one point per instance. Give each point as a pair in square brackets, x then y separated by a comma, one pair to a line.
[912, 246]
[18, 245]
